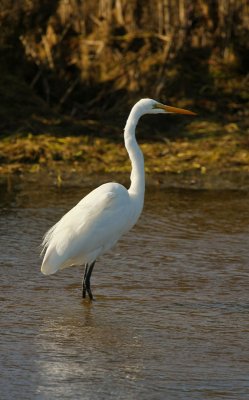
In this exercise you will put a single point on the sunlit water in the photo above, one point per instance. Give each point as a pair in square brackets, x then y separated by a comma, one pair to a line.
[171, 316]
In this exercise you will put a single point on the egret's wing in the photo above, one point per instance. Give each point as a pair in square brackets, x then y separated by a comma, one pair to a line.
[91, 227]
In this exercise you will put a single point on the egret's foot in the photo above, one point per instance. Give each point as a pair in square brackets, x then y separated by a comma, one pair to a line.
[87, 290]
[86, 284]
[90, 293]
[83, 290]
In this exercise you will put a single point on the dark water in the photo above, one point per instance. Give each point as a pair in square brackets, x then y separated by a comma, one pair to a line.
[171, 316]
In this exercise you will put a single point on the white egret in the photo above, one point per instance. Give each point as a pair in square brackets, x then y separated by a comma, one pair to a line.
[97, 222]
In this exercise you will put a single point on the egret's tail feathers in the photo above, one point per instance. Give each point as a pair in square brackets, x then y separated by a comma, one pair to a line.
[47, 238]
[51, 262]
[48, 269]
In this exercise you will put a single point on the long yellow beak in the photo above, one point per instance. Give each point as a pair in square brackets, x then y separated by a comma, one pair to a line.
[174, 110]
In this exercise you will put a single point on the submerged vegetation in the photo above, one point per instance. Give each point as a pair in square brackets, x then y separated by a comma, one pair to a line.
[70, 71]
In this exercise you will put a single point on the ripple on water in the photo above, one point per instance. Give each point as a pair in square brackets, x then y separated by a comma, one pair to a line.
[170, 318]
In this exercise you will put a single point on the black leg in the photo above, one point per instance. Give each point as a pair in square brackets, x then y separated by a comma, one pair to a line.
[86, 283]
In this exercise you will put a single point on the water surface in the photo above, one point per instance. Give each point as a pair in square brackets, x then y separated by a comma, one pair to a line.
[171, 316]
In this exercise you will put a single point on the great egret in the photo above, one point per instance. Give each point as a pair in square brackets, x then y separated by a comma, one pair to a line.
[97, 222]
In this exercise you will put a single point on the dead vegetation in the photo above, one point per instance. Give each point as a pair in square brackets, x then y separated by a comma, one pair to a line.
[75, 67]
[79, 56]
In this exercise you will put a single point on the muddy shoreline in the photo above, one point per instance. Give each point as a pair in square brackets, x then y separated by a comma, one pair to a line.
[193, 180]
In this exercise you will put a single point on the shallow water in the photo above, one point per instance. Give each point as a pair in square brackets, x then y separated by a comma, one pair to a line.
[171, 316]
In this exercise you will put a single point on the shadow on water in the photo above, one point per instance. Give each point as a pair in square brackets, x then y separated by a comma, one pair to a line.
[170, 318]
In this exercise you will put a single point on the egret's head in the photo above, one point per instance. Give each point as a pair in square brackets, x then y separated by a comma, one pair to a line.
[150, 106]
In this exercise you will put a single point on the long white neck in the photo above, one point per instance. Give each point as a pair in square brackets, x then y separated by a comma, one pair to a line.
[137, 186]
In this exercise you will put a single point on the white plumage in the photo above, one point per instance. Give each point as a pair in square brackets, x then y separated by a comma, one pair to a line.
[85, 232]
[96, 223]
